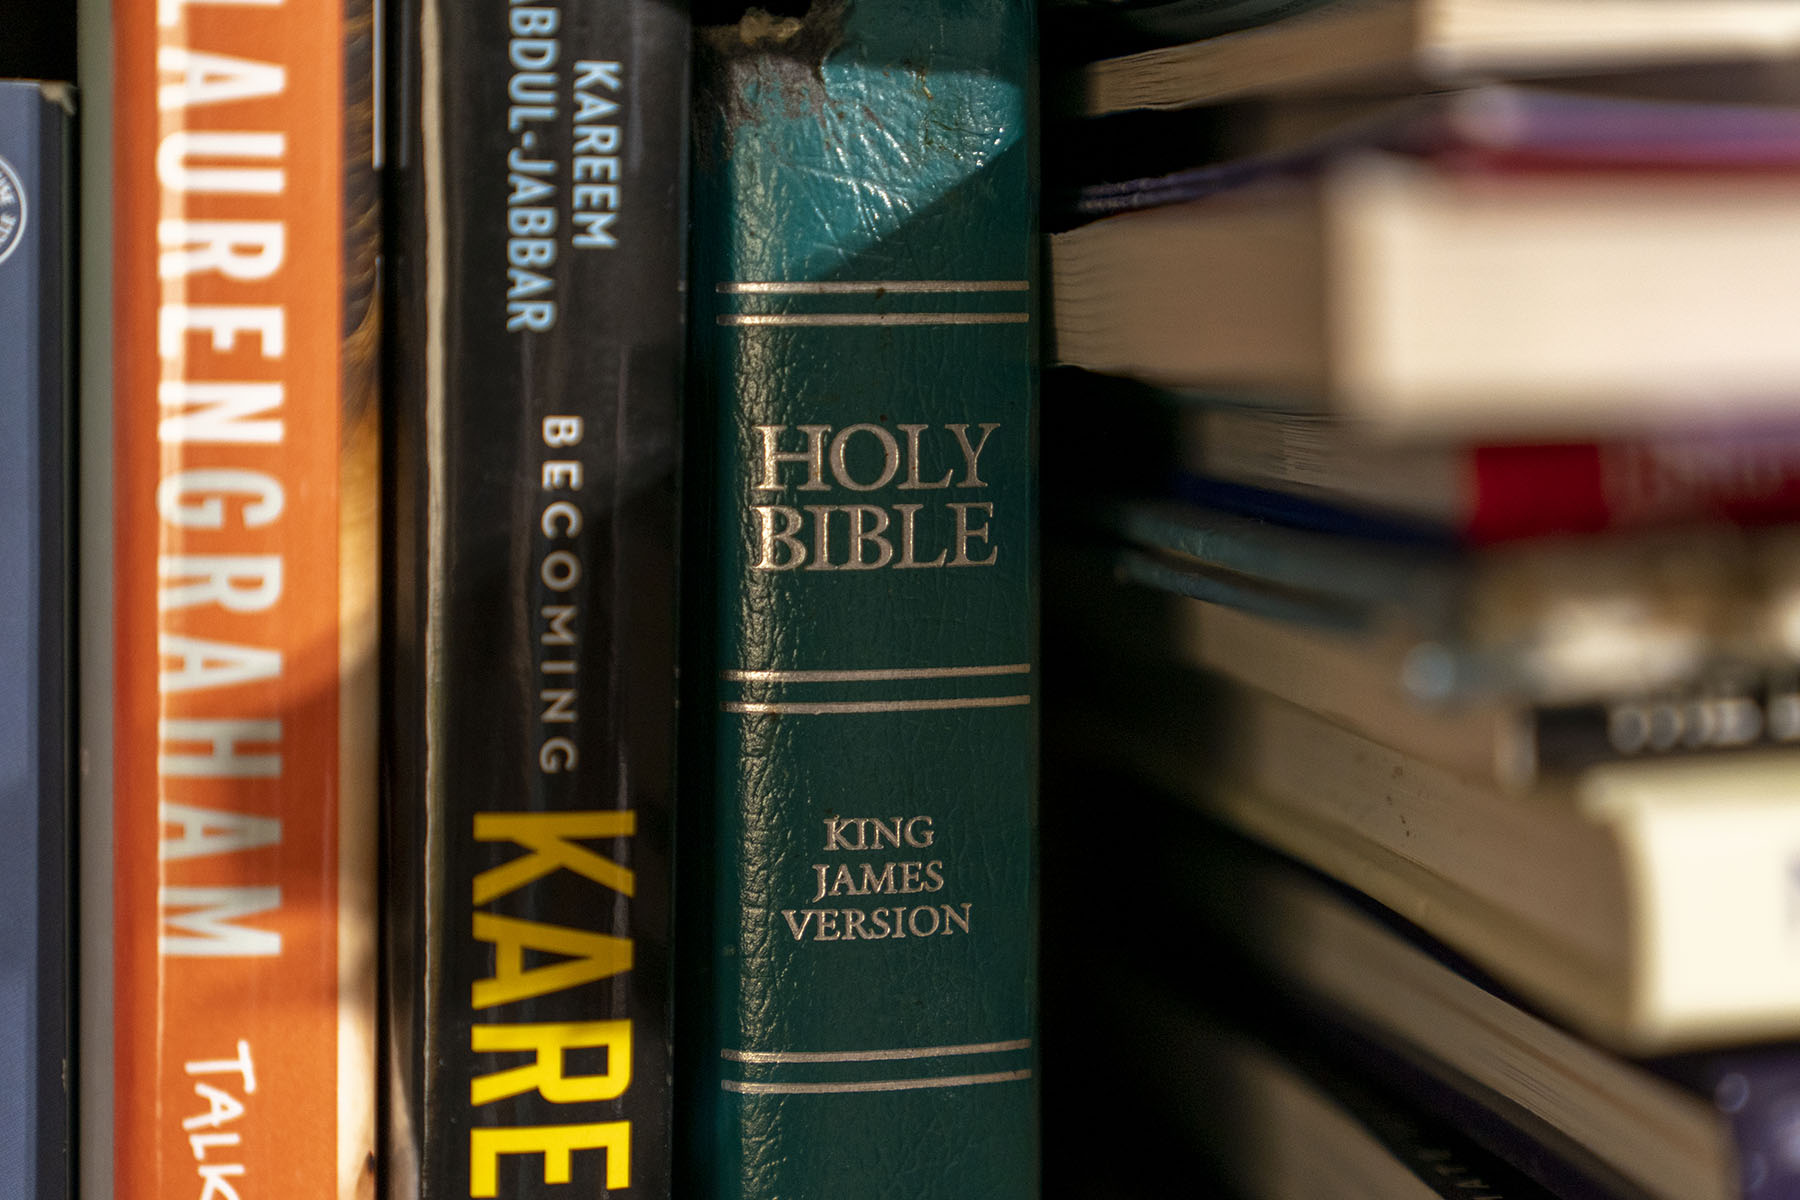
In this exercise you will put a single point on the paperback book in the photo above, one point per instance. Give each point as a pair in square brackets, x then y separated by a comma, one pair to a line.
[1274, 1117]
[1405, 45]
[238, 1023]
[1642, 903]
[1428, 297]
[1137, 24]
[1398, 1006]
[1316, 470]
[1554, 620]
[1499, 126]
[537, 195]
[1415, 695]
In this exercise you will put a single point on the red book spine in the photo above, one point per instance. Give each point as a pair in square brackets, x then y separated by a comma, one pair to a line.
[1526, 491]
[244, 574]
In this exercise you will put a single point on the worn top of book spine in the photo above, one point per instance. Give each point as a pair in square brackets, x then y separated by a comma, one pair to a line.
[865, 333]
[538, 190]
[35, 648]
[244, 552]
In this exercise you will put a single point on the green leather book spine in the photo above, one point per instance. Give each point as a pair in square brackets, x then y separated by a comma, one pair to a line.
[860, 1015]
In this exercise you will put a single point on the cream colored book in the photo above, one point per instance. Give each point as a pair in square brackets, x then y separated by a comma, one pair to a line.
[1398, 45]
[1429, 301]
[1650, 905]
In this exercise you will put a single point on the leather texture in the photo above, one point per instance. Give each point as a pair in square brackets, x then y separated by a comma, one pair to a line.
[865, 331]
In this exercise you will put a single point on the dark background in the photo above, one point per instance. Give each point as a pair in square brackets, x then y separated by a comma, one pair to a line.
[37, 39]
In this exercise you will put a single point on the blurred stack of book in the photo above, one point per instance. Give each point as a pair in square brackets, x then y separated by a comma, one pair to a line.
[1425, 462]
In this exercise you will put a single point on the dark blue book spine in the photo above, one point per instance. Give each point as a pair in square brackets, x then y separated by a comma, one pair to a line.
[34, 639]
[1756, 1091]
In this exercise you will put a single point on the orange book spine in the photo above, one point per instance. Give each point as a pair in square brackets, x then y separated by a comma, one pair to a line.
[244, 604]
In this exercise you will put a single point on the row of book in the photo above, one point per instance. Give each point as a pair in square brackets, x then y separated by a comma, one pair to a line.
[358, 641]
[379, 595]
[1426, 583]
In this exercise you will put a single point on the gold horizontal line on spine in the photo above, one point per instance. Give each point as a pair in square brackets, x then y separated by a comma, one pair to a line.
[819, 1056]
[874, 1085]
[873, 675]
[826, 708]
[860, 287]
[907, 318]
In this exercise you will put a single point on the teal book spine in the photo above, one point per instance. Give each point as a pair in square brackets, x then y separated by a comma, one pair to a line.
[859, 994]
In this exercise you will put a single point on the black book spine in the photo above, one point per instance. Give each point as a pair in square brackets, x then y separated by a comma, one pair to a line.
[35, 644]
[1736, 713]
[536, 191]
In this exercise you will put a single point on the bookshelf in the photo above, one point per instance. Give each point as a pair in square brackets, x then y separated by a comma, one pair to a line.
[1608, 682]
[552, 885]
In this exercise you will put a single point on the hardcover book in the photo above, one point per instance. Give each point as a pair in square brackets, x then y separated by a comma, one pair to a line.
[537, 191]
[241, 325]
[861, 926]
[36, 643]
